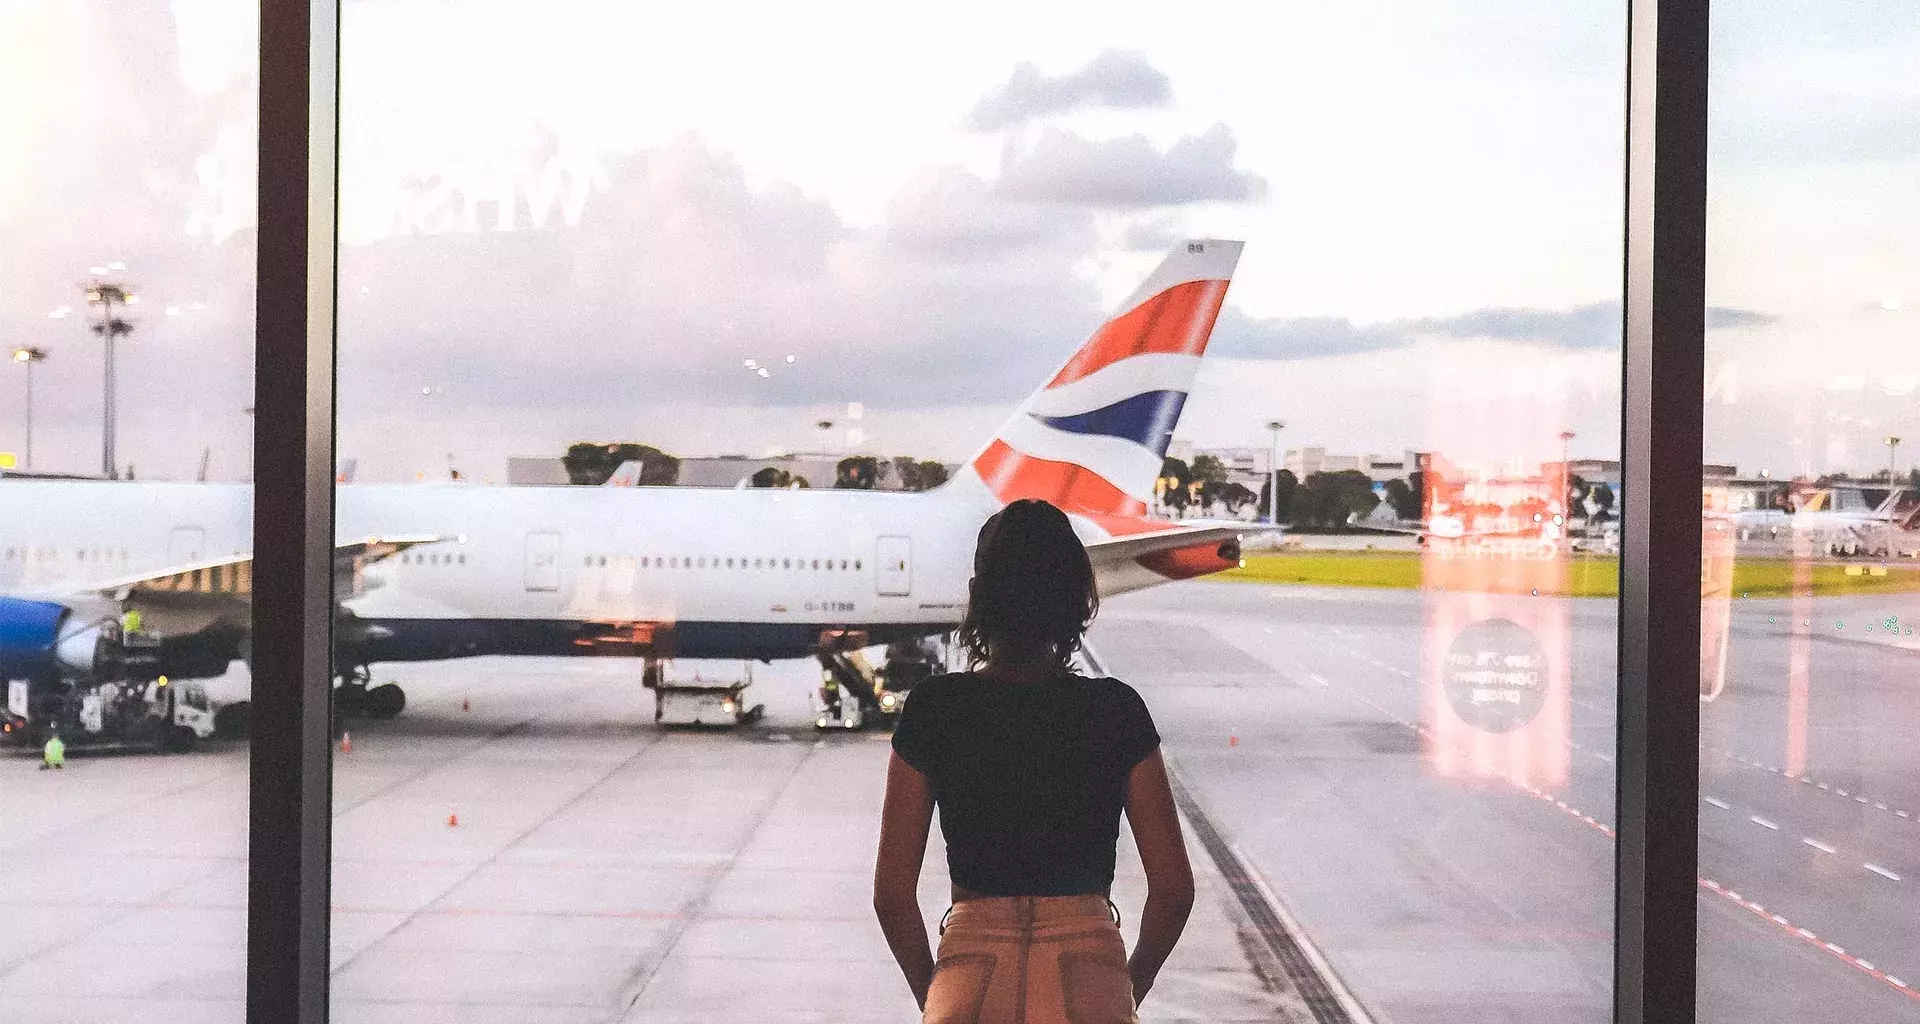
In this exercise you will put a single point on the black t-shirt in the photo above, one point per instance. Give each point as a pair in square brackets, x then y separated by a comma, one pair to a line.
[1030, 778]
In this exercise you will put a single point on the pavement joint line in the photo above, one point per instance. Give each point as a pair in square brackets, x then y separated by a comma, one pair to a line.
[1882, 872]
[484, 863]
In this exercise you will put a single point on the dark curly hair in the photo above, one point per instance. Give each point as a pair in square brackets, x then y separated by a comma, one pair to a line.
[1033, 589]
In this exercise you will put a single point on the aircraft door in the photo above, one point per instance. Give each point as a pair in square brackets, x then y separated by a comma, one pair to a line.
[543, 562]
[893, 566]
[186, 544]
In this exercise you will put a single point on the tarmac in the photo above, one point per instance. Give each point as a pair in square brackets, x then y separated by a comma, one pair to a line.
[602, 868]
[606, 869]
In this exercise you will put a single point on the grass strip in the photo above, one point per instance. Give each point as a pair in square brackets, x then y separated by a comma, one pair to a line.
[1587, 575]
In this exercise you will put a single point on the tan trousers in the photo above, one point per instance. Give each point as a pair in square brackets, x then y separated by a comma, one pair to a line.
[1031, 960]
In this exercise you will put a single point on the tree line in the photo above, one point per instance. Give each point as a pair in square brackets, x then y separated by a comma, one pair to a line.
[593, 463]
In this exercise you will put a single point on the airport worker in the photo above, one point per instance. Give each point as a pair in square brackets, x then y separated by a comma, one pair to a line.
[130, 621]
[1030, 765]
[55, 754]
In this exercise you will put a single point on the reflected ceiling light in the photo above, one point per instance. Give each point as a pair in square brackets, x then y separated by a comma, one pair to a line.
[1891, 305]
[97, 271]
[59, 314]
[789, 358]
[173, 311]
[763, 372]
[116, 266]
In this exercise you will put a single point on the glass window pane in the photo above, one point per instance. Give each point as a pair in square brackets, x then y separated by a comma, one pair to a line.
[126, 323]
[1811, 799]
[625, 290]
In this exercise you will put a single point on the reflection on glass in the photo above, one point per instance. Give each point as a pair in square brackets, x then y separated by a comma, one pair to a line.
[125, 520]
[1811, 795]
[680, 364]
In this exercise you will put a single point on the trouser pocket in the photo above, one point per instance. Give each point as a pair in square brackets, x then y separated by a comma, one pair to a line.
[959, 988]
[1096, 986]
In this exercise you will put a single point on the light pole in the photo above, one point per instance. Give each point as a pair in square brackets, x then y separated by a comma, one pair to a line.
[105, 293]
[1893, 445]
[1273, 472]
[1566, 470]
[27, 355]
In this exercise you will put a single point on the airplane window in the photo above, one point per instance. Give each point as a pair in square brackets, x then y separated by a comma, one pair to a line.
[856, 563]
[816, 564]
[588, 562]
[729, 563]
[843, 563]
[463, 559]
[602, 560]
[786, 563]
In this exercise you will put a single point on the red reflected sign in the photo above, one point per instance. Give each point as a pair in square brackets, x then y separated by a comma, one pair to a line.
[1494, 658]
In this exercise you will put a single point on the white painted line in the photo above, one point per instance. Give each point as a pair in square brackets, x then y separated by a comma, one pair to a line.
[1818, 845]
[1878, 806]
[1805, 934]
[1777, 919]
[1903, 814]
[1865, 965]
[1825, 786]
[1882, 872]
[1835, 948]
[1335, 985]
[1762, 822]
[1843, 792]
[1722, 804]
[1859, 799]
[1896, 982]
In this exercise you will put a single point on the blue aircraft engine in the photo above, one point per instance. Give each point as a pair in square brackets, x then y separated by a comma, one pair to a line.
[29, 634]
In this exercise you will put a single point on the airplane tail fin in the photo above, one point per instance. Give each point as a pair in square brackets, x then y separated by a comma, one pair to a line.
[627, 475]
[1093, 438]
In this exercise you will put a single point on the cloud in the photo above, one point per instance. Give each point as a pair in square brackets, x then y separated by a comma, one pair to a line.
[1127, 172]
[1588, 327]
[1120, 79]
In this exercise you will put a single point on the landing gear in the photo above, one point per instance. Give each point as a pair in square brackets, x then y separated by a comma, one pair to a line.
[355, 698]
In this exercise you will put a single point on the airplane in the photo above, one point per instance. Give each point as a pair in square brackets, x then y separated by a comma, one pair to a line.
[431, 573]
[1835, 531]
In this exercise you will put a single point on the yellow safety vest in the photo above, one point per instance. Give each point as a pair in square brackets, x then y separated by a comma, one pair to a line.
[56, 751]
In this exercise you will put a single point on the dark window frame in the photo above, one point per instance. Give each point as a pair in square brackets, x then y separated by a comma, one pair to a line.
[294, 435]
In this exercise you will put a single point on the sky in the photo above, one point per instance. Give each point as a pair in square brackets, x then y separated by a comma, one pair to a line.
[580, 222]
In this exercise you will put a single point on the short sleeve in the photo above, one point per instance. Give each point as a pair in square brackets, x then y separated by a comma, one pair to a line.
[915, 735]
[1135, 730]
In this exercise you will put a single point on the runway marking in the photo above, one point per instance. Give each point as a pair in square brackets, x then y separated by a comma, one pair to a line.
[1722, 804]
[1818, 845]
[1762, 822]
[1882, 872]
[1859, 798]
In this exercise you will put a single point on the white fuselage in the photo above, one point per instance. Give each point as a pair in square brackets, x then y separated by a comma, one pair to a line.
[773, 565]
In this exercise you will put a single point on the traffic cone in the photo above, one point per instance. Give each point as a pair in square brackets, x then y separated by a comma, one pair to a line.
[453, 820]
[1233, 741]
[346, 742]
[465, 704]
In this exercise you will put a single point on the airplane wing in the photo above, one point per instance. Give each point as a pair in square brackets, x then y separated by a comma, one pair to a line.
[232, 576]
[1132, 546]
[192, 596]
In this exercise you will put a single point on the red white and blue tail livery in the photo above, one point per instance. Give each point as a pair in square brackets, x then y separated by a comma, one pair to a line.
[1093, 438]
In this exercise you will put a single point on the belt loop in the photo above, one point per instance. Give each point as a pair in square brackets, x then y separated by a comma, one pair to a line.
[943, 919]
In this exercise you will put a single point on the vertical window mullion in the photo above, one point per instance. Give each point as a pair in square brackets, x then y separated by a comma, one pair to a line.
[292, 632]
[1656, 917]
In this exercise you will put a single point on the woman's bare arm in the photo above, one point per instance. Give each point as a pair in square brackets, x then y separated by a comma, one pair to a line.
[904, 821]
[1163, 852]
